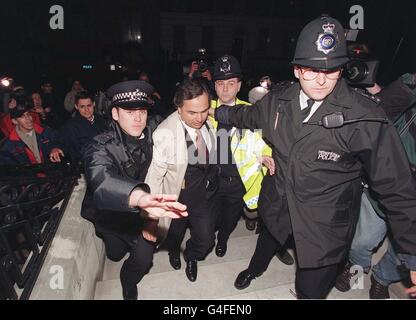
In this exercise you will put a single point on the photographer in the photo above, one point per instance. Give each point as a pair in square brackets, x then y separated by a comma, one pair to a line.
[199, 69]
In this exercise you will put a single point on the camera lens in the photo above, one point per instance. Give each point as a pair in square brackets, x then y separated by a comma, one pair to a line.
[202, 66]
[356, 71]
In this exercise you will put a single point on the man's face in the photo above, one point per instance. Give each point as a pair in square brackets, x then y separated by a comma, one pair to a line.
[132, 122]
[321, 86]
[25, 122]
[85, 108]
[37, 100]
[194, 112]
[227, 90]
[47, 88]
[76, 86]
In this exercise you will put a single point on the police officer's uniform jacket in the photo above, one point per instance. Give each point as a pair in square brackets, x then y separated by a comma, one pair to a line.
[113, 168]
[316, 190]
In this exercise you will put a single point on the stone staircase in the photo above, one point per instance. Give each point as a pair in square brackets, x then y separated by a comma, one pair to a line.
[216, 277]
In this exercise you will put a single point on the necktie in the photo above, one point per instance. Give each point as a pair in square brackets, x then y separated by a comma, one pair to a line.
[201, 147]
[305, 112]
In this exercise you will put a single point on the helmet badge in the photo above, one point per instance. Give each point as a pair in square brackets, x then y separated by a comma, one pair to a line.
[225, 66]
[328, 40]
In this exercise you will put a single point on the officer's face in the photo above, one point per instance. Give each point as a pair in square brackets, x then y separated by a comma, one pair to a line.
[194, 112]
[321, 86]
[25, 122]
[227, 90]
[85, 108]
[132, 122]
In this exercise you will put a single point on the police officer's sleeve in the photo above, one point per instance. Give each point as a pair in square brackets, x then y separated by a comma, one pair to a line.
[245, 116]
[390, 178]
[111, 190]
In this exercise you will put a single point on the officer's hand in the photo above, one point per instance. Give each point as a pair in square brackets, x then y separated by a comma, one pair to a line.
[150, 230]
[158, 205]
[211, 112]
[268, 162]
[412, 290]
[56, 154]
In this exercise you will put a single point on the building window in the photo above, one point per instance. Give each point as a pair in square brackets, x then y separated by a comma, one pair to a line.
[179, 39]
[263, 40]
[207, 38]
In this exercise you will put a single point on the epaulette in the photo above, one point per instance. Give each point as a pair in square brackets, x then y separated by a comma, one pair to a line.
[104, 137]
[368, 95]
[281, 86]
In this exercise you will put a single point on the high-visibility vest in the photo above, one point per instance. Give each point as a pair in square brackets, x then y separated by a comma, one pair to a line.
[246, 150]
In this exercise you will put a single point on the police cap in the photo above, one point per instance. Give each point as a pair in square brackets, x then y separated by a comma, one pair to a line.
[227, 67]
[321, 45]
[130, 94]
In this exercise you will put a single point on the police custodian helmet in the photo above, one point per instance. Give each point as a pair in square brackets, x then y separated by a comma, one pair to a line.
[130, 94]
[227, 67]
[321, 45]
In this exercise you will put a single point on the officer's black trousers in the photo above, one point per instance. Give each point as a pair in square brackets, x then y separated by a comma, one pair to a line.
[266, 248]
[310, 283]
[139, 261]
[315, 283]
[228, 206]
[201, 225]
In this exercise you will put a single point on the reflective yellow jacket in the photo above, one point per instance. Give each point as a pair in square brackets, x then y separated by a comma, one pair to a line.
[246, 150]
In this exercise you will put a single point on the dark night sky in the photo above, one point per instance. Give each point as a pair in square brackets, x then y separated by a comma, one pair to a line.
[29, 49]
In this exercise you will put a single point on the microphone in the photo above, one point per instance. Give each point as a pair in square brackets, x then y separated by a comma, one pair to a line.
[336, 120]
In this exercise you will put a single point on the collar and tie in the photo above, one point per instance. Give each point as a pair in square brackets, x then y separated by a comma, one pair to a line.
[201, 147]
[306, 111]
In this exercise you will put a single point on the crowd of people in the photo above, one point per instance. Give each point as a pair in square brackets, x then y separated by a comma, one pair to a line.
[318, 166]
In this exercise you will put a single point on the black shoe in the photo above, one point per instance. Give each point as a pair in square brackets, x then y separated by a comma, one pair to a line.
[251, 224]
[191, 270]
[130, 294]
[377, 290]
[343, 281]
[175, 260]
[244, 279]
[284, 256]
[220, 250]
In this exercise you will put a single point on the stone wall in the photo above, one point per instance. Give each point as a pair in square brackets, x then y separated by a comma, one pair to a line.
[75, 260]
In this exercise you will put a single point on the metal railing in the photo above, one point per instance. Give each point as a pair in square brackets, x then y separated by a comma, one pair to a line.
[32, 202]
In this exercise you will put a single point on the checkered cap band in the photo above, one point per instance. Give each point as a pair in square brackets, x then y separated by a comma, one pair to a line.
[137, 95]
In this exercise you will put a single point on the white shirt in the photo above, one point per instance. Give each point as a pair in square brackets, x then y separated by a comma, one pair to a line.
[303, 98]
[204, 132]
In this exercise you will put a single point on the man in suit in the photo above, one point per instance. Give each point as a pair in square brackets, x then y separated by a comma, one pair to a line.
[184, 147]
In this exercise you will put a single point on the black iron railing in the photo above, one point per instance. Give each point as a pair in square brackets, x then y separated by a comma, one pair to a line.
[32, 202]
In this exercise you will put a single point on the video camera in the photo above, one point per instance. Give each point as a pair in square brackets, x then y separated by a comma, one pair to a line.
[361, 70]
[202, 61]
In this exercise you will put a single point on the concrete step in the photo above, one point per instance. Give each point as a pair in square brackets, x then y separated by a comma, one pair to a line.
[241, 245]
[215, 281]
[287, 292]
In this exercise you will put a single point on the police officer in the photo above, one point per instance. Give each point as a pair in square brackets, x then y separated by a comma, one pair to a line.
[240, 166]
[116, 163]
[321, 162]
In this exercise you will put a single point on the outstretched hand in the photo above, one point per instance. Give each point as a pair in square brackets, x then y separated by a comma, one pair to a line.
[158, 205]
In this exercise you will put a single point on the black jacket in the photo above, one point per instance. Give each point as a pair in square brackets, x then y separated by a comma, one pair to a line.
[78, 131]
[114, 166]
[316, 190]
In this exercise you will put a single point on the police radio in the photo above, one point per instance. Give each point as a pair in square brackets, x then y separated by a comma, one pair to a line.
[337, 120]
